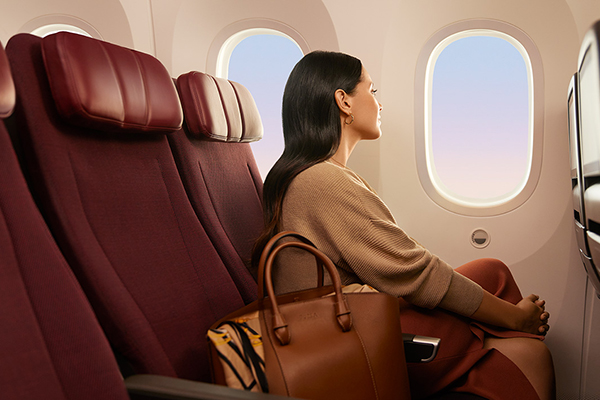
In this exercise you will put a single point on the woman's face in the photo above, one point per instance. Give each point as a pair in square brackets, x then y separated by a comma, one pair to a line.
[366, 109]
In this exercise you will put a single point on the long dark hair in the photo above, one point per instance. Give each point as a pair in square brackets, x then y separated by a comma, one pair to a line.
[311, 127]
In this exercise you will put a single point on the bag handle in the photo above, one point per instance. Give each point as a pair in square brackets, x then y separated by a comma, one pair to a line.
[267, 252]
[342, 311]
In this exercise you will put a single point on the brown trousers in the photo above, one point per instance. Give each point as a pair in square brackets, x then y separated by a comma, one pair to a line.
[462, 364]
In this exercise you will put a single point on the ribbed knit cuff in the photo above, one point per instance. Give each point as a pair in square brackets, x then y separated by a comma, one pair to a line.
[463, 296]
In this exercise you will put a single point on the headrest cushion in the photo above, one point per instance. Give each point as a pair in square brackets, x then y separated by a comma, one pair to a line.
[7, 86]
[218, 109]
[104, 86]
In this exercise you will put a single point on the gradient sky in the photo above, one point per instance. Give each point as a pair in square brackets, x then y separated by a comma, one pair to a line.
[480, 118]
[263, 63]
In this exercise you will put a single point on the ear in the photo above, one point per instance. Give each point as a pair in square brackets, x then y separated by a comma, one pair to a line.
[344, 101]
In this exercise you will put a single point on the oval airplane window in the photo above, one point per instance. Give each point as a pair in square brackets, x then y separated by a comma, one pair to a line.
[478, 123]
[262, 61]
[46, 30]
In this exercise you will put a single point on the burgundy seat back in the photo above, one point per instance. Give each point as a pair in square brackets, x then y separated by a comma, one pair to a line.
[94, 122]
[51, 346]
[218, 168]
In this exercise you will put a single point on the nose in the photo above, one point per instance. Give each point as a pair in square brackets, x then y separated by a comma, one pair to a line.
[380, 107]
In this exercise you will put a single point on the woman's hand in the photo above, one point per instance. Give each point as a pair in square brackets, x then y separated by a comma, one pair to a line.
[534, 315]
[528, 315]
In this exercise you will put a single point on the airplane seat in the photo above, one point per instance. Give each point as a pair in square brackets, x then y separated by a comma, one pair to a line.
[219, 171]
[218, 168]
[577, 180]
[587, 114]
[93, 122]
[51, 346]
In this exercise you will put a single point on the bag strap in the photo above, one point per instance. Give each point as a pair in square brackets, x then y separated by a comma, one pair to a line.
[269, 248]
[342, 311]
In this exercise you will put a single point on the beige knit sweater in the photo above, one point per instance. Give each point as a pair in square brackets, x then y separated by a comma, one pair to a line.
[340, 213]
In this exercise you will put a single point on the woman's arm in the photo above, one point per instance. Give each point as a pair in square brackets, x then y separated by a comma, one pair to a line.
[526, 316]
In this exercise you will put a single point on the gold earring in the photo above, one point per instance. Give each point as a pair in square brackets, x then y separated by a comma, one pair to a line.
[349, 123]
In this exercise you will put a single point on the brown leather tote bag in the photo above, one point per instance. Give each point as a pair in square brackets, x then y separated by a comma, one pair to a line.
[323, 344]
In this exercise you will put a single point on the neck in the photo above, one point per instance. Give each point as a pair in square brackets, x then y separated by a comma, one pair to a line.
[332, 159]
[343, 152]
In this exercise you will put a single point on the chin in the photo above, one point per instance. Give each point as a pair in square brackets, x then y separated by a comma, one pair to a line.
[374, 136]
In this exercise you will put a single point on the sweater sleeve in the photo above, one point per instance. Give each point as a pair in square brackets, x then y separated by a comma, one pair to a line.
[337, 210]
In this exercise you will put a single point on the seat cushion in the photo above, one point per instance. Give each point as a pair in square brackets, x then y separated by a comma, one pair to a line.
[107, 87]
[218, 109]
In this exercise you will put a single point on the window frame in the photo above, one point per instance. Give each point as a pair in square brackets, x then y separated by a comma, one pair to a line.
[224, 57]
[217, 62]
[423, 81]
[230, 38]
[48, 24]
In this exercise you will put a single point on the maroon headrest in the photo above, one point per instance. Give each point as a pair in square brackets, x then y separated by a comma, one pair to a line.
[218, 109]
[7, 86]
[104, 86]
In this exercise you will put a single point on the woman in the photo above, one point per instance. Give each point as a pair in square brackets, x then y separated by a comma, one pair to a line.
[490, 335]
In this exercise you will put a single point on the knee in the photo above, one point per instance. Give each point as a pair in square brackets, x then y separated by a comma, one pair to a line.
[501, 270]
[497, 267]
[504, 285]
[543, 365]
[494, 276]
[484, 267]
[539, 352]
[527, 353]
[537, 364]
[533, 358]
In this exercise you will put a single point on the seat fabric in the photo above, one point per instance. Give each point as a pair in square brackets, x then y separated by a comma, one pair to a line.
[51, 345]
[115, 202]
[220, 173]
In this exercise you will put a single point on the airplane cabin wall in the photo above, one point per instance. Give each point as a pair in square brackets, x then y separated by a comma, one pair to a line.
[107, 18]
[536, 239]
[193, 31]
[585, 13]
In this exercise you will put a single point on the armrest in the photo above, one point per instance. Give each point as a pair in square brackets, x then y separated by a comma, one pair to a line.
[420, 349]
[417, 349]
[164, 387]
